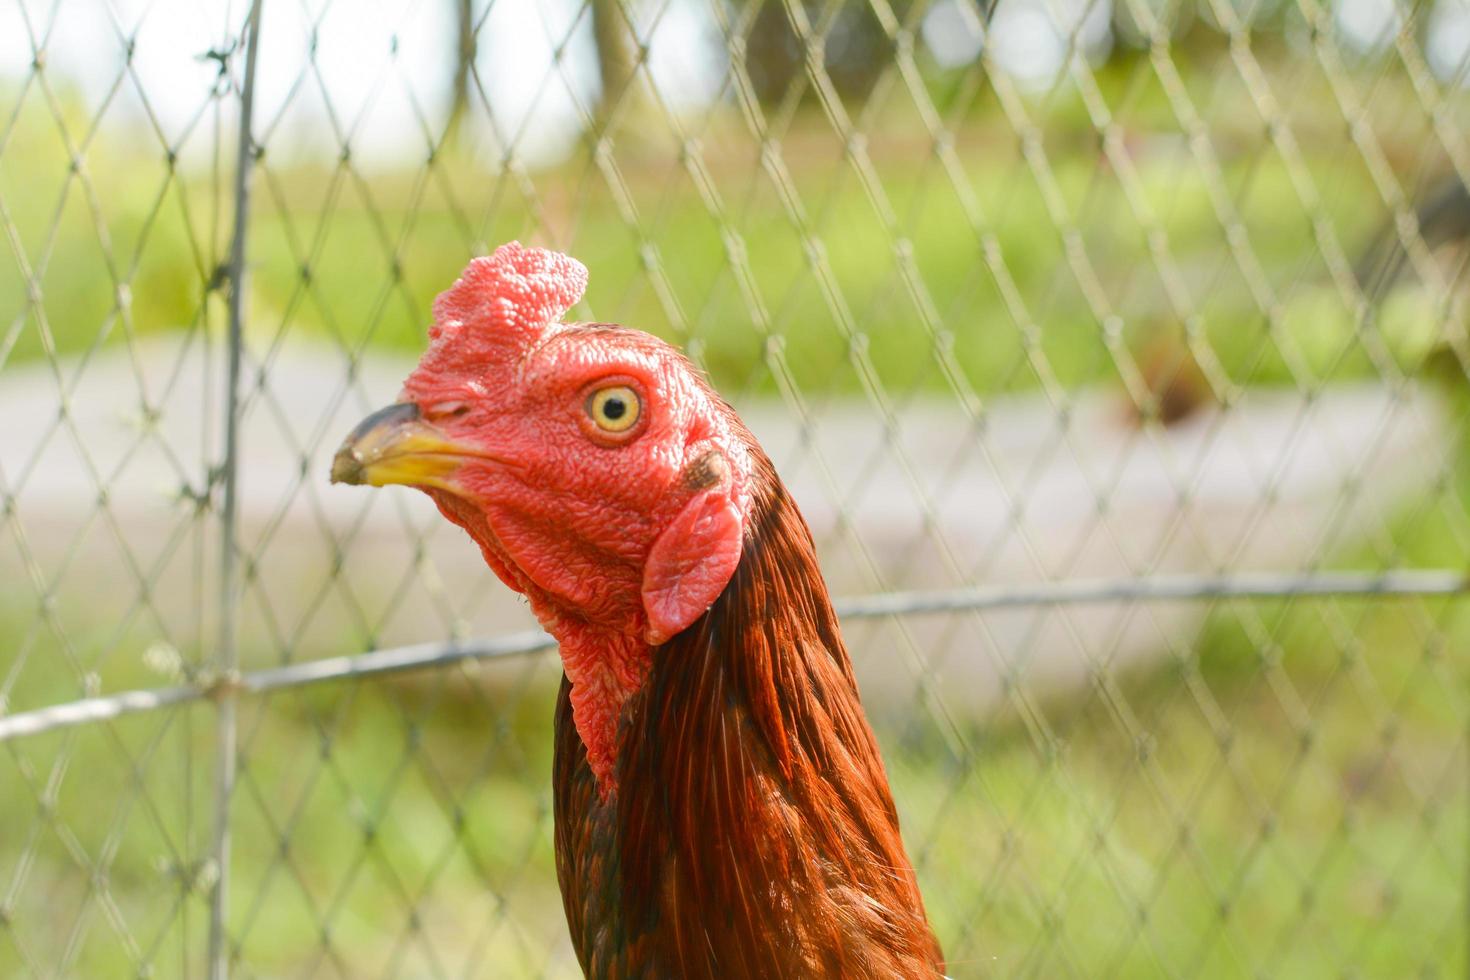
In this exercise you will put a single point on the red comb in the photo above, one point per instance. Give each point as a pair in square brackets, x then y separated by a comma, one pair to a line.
[515, 292]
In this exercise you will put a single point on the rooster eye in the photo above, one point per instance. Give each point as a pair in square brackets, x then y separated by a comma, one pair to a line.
[615, 408]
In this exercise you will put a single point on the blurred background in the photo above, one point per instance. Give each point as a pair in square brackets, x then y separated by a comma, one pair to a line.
[1018, 295]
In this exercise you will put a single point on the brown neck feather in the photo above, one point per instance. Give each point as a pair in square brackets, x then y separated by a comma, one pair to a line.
[752, 832]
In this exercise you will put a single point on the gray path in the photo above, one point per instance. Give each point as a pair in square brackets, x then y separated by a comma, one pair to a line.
[1025, 493]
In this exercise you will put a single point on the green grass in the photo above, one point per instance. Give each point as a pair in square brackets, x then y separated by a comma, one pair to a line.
[1259, 844]
[1323, 796]
[1287, 796]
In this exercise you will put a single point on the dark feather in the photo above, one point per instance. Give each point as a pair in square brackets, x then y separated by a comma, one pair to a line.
[751, 832]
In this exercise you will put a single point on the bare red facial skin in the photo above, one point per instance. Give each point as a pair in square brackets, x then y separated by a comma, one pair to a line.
[618, 540]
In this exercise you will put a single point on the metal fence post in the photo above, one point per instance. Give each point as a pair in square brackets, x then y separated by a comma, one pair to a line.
[227, 667]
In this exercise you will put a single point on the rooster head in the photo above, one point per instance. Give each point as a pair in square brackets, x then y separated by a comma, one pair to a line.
[597, 470]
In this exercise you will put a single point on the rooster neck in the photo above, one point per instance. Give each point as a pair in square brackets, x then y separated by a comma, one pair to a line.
[751, 831]
[604, 670]
[604, 665]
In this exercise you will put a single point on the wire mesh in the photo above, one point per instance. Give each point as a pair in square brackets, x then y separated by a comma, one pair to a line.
[1113, 349]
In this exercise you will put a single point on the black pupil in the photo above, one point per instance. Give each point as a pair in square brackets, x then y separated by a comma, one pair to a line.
[614, 408]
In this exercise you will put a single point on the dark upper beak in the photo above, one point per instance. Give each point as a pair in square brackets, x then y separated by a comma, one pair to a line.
[395, 445]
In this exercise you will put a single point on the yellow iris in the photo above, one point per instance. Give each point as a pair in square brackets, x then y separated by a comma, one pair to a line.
[615, 408]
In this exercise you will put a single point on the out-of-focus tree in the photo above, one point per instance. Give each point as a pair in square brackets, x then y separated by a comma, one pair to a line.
[855, 48]
[617, 59]
[617, 52]
[466, 45]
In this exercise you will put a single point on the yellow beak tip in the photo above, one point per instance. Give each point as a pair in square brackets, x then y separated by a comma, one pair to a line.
[395, 445]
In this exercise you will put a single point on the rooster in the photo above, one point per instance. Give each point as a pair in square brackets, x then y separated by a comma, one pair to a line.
[721, 808]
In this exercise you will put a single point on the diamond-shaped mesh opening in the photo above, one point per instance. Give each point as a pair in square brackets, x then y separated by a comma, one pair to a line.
[1143, 322]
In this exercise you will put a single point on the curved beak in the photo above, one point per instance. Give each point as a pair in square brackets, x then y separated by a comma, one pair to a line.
[395, 445]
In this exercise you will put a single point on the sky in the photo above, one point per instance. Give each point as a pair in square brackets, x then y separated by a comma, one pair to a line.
[381, 64]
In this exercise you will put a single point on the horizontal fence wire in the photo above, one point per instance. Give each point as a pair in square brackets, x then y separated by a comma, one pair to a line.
[423, 656]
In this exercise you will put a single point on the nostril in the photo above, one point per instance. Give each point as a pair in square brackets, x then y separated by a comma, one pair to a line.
[452, 410]
[395, 414]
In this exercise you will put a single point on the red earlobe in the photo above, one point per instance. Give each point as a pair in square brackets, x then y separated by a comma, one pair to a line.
[690, 564]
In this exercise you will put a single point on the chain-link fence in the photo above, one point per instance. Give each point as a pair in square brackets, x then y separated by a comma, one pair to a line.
[1112, 348]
